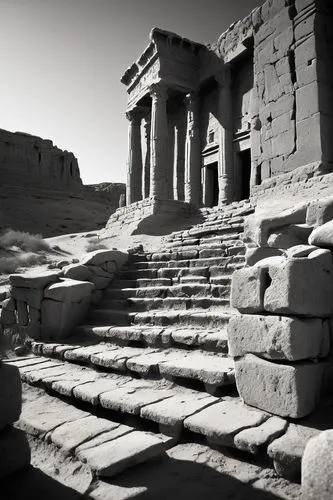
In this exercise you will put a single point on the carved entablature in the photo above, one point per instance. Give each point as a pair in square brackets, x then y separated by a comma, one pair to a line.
[168, 58]
[236, 40]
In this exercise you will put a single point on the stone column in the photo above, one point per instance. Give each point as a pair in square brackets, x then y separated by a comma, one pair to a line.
[134, 165]
[178, 163]
[159, 138]
[146, 165]
[225, 137]
[192, 151]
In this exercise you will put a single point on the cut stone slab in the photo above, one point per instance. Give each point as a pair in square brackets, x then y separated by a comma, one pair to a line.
[90, 392]
[34, 279]
[71, 435]
[277, 337]
[251, 440]
[220, 422]
[10, 394]
[174, 410]
[287, 451]
[104, 437]
[247, 289]
[294, 291]
[65, 384]
[45, 413]
[210, 369]
[14, 451]
[117, 358]
[317, 467]
[83, 354]
[148, 363]
[69, 290]
[285, 390]
[113, 457]
[99, 257]
[26, 362]
[132, 398]
[58, 319]
[36, 376]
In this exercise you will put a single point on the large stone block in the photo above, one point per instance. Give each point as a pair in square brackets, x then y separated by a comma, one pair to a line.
[284, 390]
[260, 225]
[289, 236]
[10, 394]
[300, 286]
[278, 337]
[254, 255]
[69, 290]
[77, 272]
[59, 318]
[317, 467]
[33, 296]
[34, 279]
[248, 288]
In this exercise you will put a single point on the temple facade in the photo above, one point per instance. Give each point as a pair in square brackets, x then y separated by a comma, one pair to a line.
[209, 125]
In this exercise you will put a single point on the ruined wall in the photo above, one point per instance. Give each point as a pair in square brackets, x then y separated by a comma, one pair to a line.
[31, 161]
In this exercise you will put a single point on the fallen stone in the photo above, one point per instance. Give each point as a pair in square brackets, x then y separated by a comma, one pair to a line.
[113, 457]
[222, 421]
[70, 435]
[277, 337]
[77, 272]
[247, 289]
[251, 440]
[10, 394]
[258, 225]
[287, 450]
[14, 451]
[300, 287]
[289, 236]
[317, 467]
[253, 255]
[99, 257]
[34, 279]
[285, 390]
[322, 236]
[300, 251]
[69, 290]
[319, 212]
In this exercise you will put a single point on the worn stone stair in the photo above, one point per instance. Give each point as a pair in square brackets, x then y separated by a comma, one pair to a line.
[154, 350]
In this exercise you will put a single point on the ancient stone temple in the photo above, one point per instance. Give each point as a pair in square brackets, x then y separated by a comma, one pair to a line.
[208, 124]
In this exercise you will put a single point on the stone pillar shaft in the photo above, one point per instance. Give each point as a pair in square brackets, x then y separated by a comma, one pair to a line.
[225, 137]
[146, 166]
[134, 165]
[178, 163]
[192, 151]
[159, 137]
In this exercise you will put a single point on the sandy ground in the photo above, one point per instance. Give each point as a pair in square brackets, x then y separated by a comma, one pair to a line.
[188, 471]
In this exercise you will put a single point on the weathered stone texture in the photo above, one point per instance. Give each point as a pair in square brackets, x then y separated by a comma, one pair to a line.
[317, 467]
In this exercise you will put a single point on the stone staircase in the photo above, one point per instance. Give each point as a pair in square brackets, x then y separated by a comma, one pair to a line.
[151, 360]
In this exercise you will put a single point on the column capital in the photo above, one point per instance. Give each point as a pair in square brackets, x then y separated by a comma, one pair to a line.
[223, 78]
[134, 115]
[159, 91]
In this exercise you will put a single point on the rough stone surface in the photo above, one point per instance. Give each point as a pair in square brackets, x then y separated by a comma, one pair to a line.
[284, 390]
[253, 439]
[34, 279]
[247, 290]
[320, 212]
[317, 467]
[277, 337]
[322, 236]
[111, 458]
[253, 255]
[220, 422]
[131, 399]
[10, 394]
[99, 257]
[69, 290]
[289, 236]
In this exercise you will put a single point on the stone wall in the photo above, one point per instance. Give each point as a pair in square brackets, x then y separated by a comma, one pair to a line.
[281, 341]
[31, 161]
[49, 305]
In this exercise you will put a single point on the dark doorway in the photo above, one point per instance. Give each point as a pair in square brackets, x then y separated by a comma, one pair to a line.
[212, 185]
[245, 173]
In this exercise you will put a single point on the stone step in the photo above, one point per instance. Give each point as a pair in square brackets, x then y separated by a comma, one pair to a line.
[140, 283]
[195, 317]
[191, 290]
[213, 369]
[200, 262]
[178, 272]
[215, 340]
[107, 447]
[215, 229]
[177, 303]
[134, 274]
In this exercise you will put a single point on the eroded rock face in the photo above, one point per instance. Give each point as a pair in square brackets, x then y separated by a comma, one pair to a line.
[32, 161]
[317, 467]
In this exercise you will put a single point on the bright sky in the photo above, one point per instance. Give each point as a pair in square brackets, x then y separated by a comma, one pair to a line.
[61, 62]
